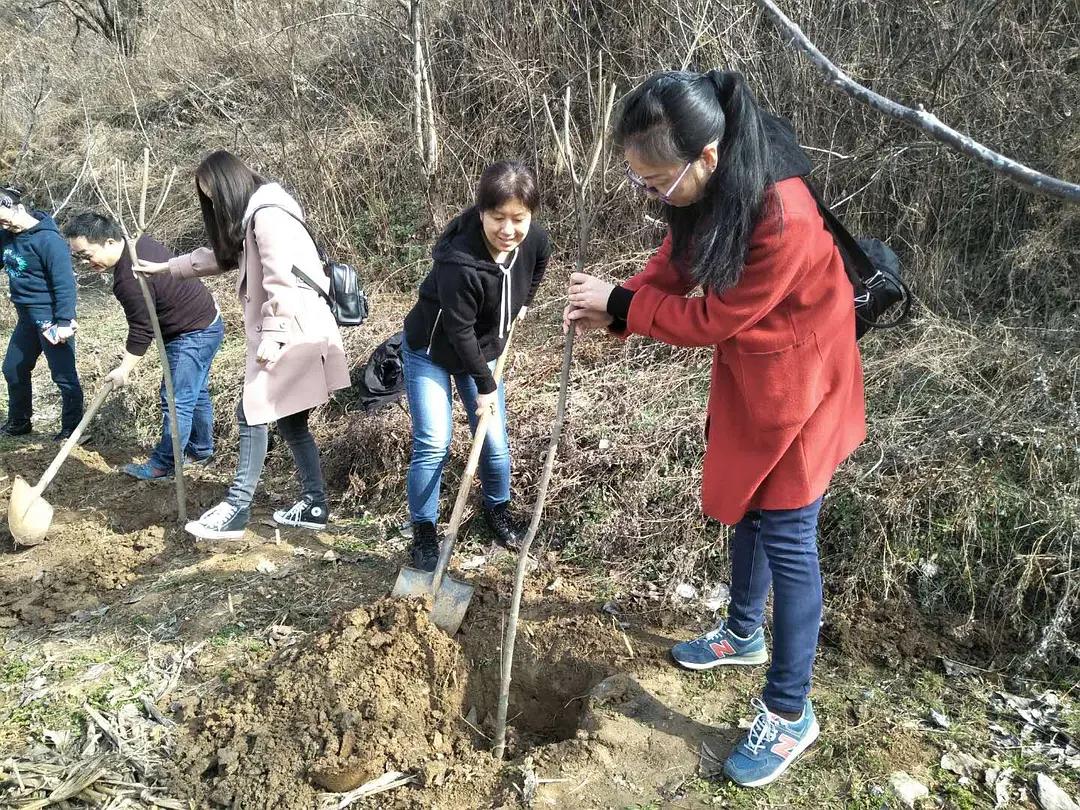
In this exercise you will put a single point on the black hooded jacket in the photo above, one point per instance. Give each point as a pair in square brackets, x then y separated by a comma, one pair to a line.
[468, 302]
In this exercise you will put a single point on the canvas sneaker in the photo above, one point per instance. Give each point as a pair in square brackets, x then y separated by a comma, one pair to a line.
[721, 647]
[225, 521]
[771, 745]
[305, 514]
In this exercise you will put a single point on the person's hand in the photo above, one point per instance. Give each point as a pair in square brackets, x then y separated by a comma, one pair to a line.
[584, 320]
[589, 292]
[522, 313]
[148, 268]
[65, 333]
[269, 351]
[119, 376]
[486, 403]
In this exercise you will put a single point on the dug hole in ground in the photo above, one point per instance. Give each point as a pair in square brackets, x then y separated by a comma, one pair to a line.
[276, 675]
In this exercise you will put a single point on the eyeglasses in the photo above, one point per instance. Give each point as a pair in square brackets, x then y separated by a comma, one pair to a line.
[638, 182]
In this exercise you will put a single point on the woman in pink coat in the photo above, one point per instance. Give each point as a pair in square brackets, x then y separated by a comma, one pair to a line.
[295, 358]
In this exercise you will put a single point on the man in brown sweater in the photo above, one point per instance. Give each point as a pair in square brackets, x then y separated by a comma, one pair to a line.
[190, 324]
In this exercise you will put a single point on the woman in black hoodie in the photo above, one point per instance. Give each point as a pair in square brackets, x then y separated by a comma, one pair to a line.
[487, 266]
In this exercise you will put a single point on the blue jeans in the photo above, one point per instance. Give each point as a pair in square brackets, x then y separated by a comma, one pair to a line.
[428, 388]
[779, 547]
[190, 356]
[26, 345]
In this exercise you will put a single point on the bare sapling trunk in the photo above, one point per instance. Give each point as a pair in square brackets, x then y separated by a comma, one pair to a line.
[139, 223]
[582, 183]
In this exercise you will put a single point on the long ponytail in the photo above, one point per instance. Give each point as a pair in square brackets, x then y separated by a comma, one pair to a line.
[672, 117]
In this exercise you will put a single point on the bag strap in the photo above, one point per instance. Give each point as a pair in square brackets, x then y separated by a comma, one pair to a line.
[318, 247]
[304, 277]
[853, 254]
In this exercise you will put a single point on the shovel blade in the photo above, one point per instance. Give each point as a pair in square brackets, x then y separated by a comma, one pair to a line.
[448, 605]
[29, 516]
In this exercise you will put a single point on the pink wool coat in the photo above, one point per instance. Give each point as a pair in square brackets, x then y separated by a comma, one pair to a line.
[276, 305]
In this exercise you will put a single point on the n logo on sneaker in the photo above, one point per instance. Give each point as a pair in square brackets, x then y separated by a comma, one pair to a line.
[722, 648]
[784, 746]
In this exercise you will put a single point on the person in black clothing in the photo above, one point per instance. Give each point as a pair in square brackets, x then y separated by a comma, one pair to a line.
[487, 266]
[190, 324]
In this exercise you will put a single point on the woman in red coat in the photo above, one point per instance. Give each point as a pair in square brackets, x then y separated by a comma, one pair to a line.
[786, 396]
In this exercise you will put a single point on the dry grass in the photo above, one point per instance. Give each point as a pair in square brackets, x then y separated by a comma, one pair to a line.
[967, 491]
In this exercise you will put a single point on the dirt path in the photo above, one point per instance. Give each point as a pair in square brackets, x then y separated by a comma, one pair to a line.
[265, 677]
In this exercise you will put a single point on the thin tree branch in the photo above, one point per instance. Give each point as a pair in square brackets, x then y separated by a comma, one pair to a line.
[1023, 176]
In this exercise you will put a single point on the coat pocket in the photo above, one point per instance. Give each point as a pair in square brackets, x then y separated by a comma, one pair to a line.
[783, 387]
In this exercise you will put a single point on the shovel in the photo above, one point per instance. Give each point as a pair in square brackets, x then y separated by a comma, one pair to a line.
[29, 515]
[450, 597]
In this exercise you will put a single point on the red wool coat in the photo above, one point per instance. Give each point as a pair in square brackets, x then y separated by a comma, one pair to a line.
[786, 396]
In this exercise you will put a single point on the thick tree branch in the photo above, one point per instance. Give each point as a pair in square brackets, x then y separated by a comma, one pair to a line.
[1025, 177]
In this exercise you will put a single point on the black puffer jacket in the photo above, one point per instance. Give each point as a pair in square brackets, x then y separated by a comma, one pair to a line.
[468, 302]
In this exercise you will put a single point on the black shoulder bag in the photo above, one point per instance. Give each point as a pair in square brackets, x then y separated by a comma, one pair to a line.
[874, 270]
[346, 299]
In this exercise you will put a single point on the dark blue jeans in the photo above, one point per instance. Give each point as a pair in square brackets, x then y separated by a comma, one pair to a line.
[779, 547]
[190, 356]
[26, 345]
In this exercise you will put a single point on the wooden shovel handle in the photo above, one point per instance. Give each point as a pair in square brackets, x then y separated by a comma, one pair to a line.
[466, 479]
[73, 439]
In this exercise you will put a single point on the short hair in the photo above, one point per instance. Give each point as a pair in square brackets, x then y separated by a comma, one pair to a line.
[505, 181]
[93, 227]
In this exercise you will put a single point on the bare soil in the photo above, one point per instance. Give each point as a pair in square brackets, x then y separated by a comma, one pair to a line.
[290, 677]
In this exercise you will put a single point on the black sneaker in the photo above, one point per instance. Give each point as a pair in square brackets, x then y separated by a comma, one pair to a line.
[304, 514]
[508, 531]
[65, 434]
[10, 428]
[425, 546]
[225, 521]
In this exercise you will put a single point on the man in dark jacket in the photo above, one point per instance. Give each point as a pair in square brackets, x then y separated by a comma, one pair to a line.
[41, 285]
[190, 324]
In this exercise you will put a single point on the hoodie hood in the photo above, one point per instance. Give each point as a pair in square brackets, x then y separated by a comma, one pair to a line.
[462, 243]
[45, 223]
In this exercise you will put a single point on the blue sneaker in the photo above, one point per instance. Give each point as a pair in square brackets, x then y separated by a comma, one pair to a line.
[720, 646]
[771, 746]
[145, 472]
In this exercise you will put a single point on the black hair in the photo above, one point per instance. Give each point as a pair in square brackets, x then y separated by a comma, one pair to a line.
[231, 184]
[670, 118]
[505, 181]
[93, 227]
[10, 196]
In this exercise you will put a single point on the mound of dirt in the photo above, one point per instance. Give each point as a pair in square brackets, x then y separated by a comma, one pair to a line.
[381, 690]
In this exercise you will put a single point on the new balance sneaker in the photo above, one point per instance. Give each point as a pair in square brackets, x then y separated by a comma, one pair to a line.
[771, 745]
[721, 647]
[305, 514]
[225, 521]
[425, 546]
[506, 528]
[145, 472]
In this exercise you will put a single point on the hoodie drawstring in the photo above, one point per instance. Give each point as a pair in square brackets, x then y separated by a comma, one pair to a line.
[506, 317]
